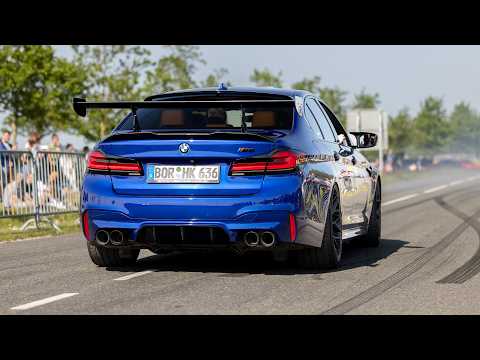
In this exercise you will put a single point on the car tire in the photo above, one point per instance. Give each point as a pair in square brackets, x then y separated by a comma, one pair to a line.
[106, 257]
[329, 255]
[372, 237]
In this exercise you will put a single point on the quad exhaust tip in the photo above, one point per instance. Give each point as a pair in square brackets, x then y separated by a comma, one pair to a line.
[102, 237]
[116, 237]
[267, 239]
[251, 238]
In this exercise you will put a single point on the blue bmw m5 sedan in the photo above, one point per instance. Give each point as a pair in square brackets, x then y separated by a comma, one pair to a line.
[246, 169]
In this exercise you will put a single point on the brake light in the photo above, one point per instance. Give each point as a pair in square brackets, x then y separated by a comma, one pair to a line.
[256, 167]
[86, 228]
[281, 161]
[98, 161]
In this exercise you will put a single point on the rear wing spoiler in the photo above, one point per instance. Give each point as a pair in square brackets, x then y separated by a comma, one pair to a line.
[80, 105]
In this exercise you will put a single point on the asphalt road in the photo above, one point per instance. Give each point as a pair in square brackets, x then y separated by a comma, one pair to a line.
[428, 263]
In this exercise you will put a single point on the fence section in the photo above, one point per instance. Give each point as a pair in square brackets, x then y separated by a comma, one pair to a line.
[17, 190]
[41, 183]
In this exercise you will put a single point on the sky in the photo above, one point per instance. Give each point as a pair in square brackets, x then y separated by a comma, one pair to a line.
[403, 75]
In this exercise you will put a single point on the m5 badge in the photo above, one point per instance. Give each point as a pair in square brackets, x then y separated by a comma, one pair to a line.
[245, 149]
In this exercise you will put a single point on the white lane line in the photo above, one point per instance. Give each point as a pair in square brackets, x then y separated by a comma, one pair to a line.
[43, 301]
[453, 183]
[441, 187]
[134, 275]
[435, 189]
[400, 199]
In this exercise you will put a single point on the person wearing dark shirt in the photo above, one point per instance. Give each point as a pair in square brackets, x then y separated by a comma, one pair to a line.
[5, 142]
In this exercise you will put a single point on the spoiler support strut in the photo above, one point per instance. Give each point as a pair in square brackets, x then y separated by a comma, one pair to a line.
[136, 124]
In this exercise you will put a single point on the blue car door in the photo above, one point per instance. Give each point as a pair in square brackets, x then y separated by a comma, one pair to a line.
[328, 148]
[348, 174]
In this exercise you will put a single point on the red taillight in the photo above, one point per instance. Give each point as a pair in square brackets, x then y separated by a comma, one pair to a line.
[280, 161]
[241, 167]
[97, 161]
[86, 227]
[293, 228]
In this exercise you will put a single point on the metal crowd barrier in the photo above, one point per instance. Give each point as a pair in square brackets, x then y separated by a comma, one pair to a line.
[40, 184]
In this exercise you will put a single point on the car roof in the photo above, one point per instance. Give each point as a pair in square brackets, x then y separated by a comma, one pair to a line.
[237, 90]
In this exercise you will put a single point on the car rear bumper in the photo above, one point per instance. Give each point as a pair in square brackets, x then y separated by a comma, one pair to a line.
[274, 221]
[269, 210]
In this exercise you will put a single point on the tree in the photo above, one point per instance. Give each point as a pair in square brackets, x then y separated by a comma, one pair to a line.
[431, 128]
[36, 89]
[266, 78]
[174, 71]
[333, 97]
[366, 101]
[216, 78]
[400, 132]
[465, 123]
[114, 73]
[312, 85]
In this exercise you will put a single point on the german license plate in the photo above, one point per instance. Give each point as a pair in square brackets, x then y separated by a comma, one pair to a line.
[183, 174]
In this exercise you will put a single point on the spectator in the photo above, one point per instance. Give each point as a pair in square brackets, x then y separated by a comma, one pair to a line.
[57, 176]
[33, 142]
[86, 151]
[5, 142]
[32, 145]
[67, 167]
[17, 195]
[55, 144]
[4, 162]
[420, 163]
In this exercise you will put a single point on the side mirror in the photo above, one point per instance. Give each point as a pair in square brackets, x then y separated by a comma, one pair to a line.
[365, 139]
[342, 140]
[353, 140]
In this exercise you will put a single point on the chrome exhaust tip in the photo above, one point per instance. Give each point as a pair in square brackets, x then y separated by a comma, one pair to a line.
[267, 239]
[102, 237]
[251, 239]
[116, 237]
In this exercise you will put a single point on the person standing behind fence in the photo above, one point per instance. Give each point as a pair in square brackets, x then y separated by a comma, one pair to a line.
[57, 179]
[5, 163]
[32, 145]
[5, 143]
[67, 165]
[86, 151]
[33, 142]
[55, 145]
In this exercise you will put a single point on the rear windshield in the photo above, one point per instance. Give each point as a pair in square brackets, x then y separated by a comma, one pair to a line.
[274, 117]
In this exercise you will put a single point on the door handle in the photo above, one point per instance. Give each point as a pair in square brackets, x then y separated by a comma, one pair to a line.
[336, 156]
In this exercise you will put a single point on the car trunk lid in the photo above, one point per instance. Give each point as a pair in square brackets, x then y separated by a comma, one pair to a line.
[203, 149]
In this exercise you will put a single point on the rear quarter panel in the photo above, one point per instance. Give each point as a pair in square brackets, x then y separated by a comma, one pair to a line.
[318, 176]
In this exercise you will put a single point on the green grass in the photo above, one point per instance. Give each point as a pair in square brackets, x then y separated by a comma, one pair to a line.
[10, 228]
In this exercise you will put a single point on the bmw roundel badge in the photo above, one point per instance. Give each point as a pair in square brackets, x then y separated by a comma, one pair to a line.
[184, 148]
